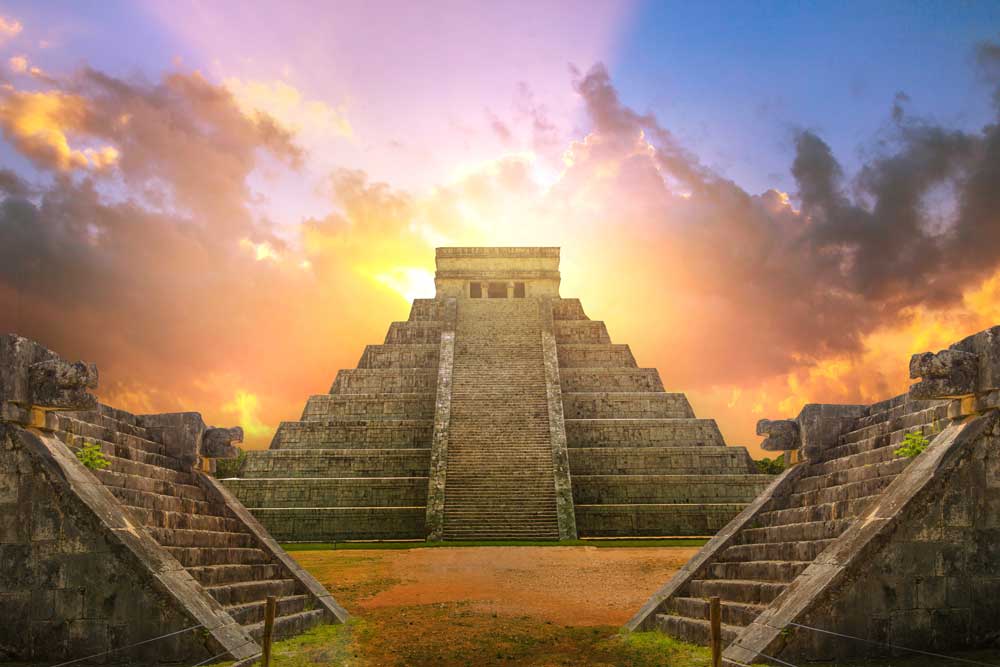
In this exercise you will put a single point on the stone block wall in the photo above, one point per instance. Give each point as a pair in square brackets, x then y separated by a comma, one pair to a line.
[333, 524]
[324, 407]
[643, 433]
[338, 463]
[596, 355]
[399, 356]
[424, 332]
[385, 381]
[654, 520]
[361, 433]
[331, 493]
[68, 588]
[659, 460]
[627, 405]
[581, 331]
[609, 379]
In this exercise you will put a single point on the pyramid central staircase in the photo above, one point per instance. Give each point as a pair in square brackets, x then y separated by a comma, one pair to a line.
[500, 479]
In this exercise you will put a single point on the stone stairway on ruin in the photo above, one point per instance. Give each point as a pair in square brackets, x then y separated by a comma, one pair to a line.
[642, 463]
[161, 493]
[793, 528]
[500, 481]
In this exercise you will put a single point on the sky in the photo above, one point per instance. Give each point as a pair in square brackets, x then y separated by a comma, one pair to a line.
[773, 203]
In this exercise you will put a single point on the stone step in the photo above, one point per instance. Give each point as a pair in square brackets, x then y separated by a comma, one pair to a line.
[802, 532]
[846, 491]
[199, 556]
[609, 379]
[139, 469]
[115, 479]
[889, 468]
[840, 509]
[693, 631]
[759, 570]
[733, 613]
[747, 591]
[287, 626]
[905, 422]
[488, 533]
[184, 520]
[216, 575]
[626, 405]
[181, 537]
[107, 433]
[868, 457]
[252, 591]
[253, 612]
[168, 503]
[111, 449]
[801, 551]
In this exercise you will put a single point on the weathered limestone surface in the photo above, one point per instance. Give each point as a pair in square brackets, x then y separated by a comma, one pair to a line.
[94, 560]
[858, 540]
[518, 413]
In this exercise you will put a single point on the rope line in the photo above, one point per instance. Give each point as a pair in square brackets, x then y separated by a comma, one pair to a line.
[228, 652]
[895, 646]
[122, 648]
[763, 655]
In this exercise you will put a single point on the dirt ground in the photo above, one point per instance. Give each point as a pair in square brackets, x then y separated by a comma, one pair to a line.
[493, 605]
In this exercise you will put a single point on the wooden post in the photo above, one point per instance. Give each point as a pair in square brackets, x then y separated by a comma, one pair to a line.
[715, 624]
[269, 609]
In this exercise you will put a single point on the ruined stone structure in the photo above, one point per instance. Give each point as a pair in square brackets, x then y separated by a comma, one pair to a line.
[858, 540]
[498, 410]
[94, 560]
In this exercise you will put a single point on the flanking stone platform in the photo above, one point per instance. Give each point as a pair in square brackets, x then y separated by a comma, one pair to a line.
[93, 560]
[496, 410]
[858, 540]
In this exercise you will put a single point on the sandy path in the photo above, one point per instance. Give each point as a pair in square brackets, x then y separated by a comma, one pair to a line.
[563, 585]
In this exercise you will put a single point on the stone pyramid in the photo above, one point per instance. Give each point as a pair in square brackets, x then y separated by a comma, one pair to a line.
[498, 410]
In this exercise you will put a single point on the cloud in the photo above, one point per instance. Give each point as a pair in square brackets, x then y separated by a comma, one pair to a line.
[18, 64]
[283, 102]
[9, 28]
[38, 123]
[156, 267]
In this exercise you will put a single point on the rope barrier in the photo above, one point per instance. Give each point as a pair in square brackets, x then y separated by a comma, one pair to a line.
[763, 655]
[895, 646]
[225, 653]
[122, 648]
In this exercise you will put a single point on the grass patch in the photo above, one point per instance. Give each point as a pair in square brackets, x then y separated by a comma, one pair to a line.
[629, 543]
[334, 644]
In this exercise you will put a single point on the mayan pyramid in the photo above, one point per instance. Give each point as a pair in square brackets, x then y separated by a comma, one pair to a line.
[498, 410]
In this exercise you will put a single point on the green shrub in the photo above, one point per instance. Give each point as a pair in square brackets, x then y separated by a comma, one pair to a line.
[231, 467]
[773, 466]
[91, 456]
[913, 444]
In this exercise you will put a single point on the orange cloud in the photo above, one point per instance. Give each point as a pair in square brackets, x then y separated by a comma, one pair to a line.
[38, 124]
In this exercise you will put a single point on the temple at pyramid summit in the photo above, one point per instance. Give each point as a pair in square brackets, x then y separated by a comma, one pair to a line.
[498, 410]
